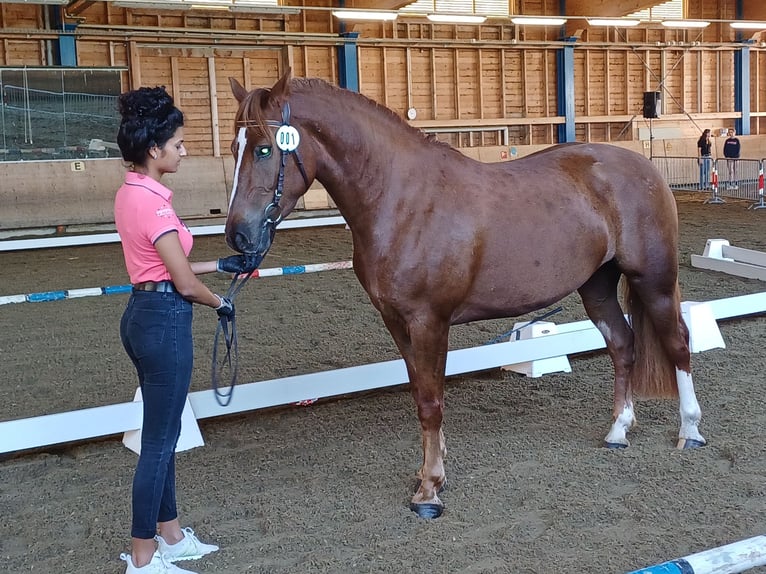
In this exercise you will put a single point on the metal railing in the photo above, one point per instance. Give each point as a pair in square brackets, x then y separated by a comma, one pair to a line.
[721, 177]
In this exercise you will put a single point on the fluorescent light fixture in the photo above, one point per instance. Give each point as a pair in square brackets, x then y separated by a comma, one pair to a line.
[209, 7]
[56, 2]
[748, 25]
[456, 18]
[616, 22]
[363, 15]
[685, 23]
[153, 4]
[264, 9]
[538, 21]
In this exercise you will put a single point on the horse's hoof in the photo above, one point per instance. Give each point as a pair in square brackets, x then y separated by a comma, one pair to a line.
[441, 488]
[615, 445]
[427, 510]
[689, 443]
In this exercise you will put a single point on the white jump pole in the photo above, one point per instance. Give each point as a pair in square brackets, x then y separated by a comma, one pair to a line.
[730, 559]
[118, 289]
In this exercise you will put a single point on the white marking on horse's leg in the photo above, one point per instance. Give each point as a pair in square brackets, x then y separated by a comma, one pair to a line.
[689, 409]
[241, 144]
[621, 425]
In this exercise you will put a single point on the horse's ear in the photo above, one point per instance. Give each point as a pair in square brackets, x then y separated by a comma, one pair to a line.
[236, 88]
[281, 89]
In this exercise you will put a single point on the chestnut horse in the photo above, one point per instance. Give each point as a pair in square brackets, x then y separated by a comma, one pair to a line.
[441, 239]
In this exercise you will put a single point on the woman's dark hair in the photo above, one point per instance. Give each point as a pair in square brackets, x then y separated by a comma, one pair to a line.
[702, 137]
[149, 119]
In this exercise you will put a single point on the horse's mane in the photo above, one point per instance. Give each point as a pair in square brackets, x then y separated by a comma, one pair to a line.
[250, 112]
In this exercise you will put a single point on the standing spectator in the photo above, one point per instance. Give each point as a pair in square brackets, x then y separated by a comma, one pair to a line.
[156, 327]
[731, 149]
[704, 158]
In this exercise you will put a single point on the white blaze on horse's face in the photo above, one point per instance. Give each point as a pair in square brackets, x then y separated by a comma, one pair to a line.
[241, 144]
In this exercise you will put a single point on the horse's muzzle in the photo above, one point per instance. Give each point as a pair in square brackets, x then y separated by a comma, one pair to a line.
[252, 242]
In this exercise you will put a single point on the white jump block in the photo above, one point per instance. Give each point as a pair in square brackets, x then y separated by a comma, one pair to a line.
[719, 255]
[704, 333]
[542, 366]
[190, 434]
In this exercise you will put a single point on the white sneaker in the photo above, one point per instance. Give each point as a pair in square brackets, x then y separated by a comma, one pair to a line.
[190, 548]
[158, 565]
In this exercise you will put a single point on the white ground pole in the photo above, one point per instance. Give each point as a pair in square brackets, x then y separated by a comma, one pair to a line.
[99, 238]
[730, 559]
[579, 337]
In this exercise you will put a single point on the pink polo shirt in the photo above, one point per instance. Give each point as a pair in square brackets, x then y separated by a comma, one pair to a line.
[143, 212]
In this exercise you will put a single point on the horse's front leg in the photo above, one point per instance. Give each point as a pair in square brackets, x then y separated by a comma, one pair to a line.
[423, 344]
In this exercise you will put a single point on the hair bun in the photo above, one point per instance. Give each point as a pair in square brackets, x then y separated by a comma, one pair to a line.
[146, 102]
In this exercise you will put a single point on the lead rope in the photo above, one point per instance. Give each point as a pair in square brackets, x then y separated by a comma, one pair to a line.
[501, 337]
[228, 328]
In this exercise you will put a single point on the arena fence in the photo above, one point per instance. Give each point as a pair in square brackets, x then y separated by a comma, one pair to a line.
[737, 179]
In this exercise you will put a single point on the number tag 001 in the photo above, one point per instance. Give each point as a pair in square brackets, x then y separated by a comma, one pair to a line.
[288, 138]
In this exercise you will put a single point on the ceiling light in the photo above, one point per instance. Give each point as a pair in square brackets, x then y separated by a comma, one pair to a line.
[209, 7]
[153, 4]
[264, 9]
[538, 21]
[685, 23]
[456, 18]
[57, 2]
[748, 25]
[363, 15]
[617, 22]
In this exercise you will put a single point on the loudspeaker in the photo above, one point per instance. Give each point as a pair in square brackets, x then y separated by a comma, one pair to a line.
[652, 102]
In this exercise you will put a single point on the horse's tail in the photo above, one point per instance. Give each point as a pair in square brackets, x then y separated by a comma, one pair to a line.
[654, 372]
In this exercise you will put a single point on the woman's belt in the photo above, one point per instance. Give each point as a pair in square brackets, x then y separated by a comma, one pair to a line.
[159, 286]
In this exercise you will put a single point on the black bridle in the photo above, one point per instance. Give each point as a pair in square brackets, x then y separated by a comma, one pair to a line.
[272, 217]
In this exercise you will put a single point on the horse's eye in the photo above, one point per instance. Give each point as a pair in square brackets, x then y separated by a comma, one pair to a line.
[263, 151]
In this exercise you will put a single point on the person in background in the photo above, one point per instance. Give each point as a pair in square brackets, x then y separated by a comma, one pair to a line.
[156, 326]
[731, 149]
[704, 158]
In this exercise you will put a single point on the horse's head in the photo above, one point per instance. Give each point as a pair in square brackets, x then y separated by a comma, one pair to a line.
[272, 170]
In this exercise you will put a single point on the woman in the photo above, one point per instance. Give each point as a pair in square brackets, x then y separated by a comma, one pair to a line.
[704, 159]
[156, 326]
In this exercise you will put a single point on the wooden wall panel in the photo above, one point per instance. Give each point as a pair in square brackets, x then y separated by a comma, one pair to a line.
[635, 87]
[709, 72]
[535, 81]
[725, 91]
[689, 96]
[194, 101]
[396, 84]
[617, 65]
[581, 70]
[597, 60]
[372, 81]
[446, 84]
[421, 83]
[468, 84]
[514, 83]
[265, 67]
[321, 62]
[155, 70]
[227, 105]
[22, 52]
[490, 81]
[95, 54]
[673, 81]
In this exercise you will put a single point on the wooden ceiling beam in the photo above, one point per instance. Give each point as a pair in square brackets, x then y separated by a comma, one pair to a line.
[608, 8]
[377, 4]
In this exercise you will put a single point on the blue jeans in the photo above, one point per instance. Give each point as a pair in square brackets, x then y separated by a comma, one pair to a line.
[156, 331]
[706, 162]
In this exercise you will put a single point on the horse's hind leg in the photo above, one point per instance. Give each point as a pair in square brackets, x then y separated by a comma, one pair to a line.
[657, 299]
[599, 296]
